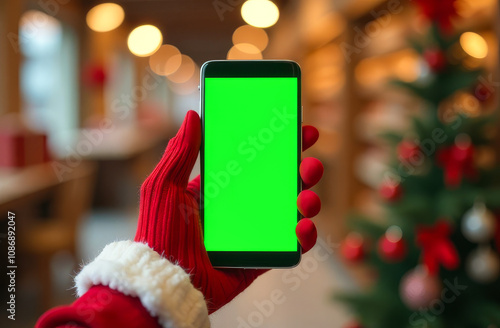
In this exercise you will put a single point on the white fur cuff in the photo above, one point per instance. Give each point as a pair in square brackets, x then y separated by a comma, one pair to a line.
[164, 288]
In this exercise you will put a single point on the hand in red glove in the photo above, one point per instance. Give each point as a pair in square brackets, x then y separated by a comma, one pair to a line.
[169, 219]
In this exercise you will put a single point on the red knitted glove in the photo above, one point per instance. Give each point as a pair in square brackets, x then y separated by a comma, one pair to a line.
[169, 219]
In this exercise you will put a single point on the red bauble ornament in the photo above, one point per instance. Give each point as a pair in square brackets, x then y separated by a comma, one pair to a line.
[391, 246]
[483, 92]
[436, 59]
[457, 161]
[390, 191]
[352, 249]
[407, 150]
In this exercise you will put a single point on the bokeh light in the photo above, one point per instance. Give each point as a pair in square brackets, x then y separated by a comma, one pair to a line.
[185, 71]
[166, 60]
[144, 40]
[244, 51]
[188, 87]
[105, 17]
[394, 234]
[474, 45]
[407, 67]
[260, 13]
[41, 40]
[251, 34]
[322, 72]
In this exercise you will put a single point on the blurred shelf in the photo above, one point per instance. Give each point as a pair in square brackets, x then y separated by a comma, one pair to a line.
[122, 142]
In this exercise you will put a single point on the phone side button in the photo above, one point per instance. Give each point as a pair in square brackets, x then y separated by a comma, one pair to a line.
[302, 114]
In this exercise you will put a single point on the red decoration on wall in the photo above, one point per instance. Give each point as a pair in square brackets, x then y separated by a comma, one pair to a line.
[94, 75]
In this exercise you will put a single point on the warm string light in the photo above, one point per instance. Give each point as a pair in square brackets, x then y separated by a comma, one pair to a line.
[166, 60]
[260, 13]
[185, 71]
[179, 69]
[244, 51]
[105, 17]
[474, 45]
[250, 34]
[144, 40]
[248, 43]
[188, 87]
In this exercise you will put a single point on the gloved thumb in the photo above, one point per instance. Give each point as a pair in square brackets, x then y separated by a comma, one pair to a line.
[181, 152]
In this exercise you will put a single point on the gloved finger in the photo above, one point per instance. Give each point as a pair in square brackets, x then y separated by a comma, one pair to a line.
[181, 153]
[308, 203]
[193, 187]
[306, 234]
[311, 171]
[309, 136]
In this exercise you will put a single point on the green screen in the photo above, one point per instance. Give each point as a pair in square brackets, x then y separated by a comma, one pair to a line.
[250, 164]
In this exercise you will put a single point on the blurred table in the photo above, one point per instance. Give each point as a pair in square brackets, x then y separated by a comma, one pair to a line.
[19, 186]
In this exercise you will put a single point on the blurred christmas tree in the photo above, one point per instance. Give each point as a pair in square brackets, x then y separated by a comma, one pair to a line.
[437, 260]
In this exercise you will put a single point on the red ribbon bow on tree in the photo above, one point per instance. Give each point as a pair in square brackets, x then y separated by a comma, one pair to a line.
[439, 11]
[436, 247]
[457, 162]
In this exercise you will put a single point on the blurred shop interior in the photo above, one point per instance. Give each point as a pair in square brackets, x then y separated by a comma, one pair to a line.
[91, 92]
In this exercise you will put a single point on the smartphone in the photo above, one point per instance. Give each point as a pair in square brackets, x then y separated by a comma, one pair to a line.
[251, 118]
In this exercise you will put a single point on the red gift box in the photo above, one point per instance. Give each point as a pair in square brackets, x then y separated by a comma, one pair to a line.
[19, 148]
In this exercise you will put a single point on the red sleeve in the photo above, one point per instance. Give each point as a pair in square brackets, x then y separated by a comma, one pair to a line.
[99, 307]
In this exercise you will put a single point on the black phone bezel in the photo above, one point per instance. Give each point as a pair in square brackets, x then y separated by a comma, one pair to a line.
[251, 68]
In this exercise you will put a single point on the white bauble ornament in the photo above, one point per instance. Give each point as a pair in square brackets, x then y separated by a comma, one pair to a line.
[483, 265]
[478, 224]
